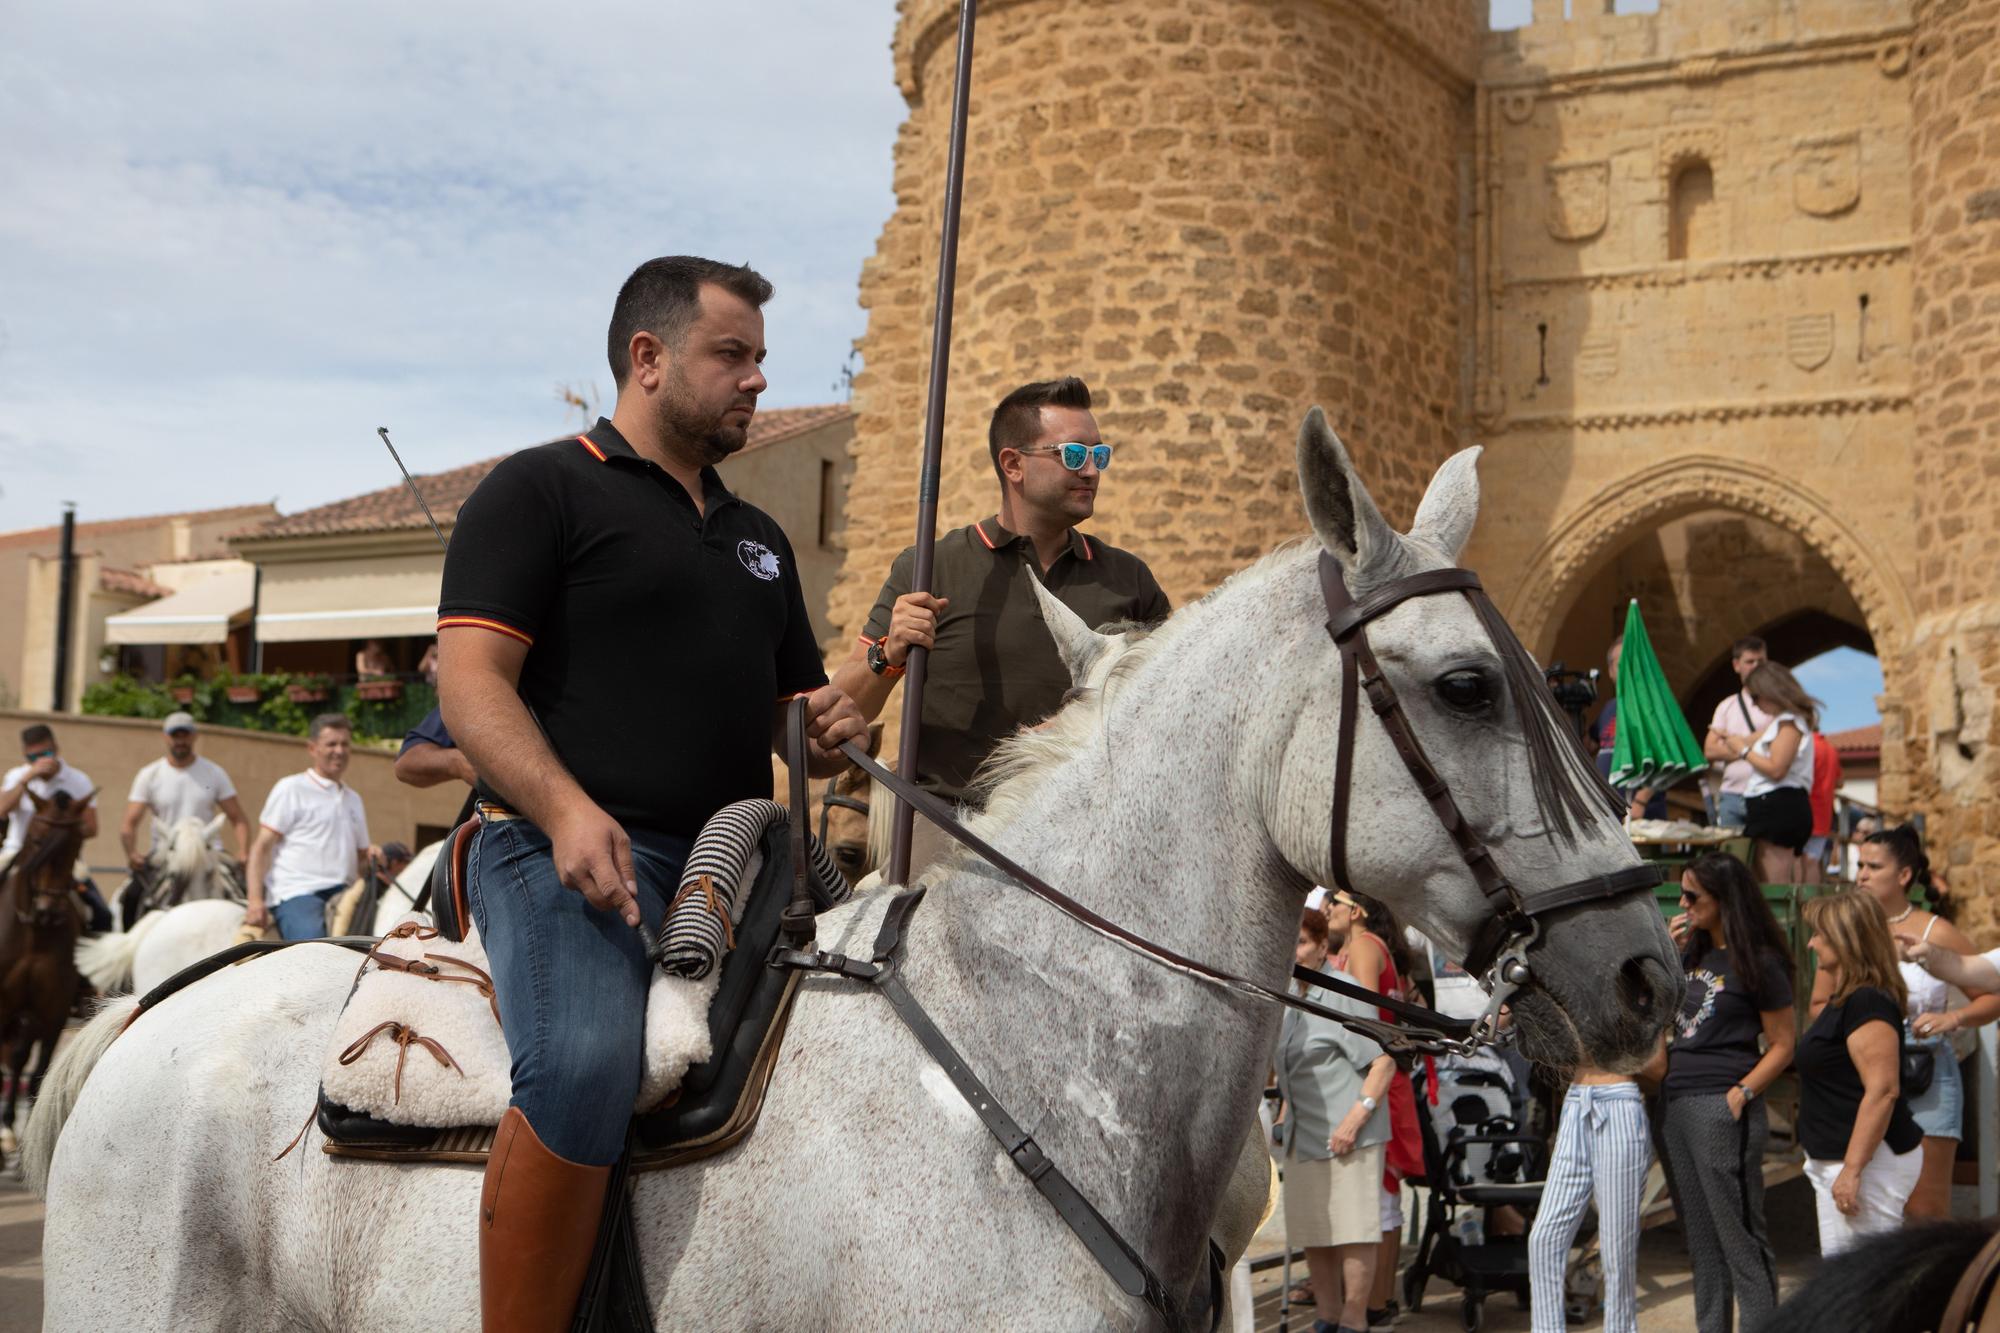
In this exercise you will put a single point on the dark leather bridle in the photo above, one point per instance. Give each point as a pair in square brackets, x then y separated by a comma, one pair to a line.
[1510, 925]
[33, 905]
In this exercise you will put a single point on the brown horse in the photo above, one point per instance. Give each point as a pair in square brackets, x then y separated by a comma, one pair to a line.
[39, 925]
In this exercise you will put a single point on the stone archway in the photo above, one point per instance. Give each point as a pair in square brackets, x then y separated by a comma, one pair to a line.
[1563, 563]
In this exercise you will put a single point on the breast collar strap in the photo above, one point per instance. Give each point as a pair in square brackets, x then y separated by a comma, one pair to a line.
[1500, 944]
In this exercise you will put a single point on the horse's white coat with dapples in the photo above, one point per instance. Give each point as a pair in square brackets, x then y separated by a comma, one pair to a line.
[1186, 796]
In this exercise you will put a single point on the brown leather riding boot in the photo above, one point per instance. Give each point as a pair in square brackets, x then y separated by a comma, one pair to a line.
[537, 1224]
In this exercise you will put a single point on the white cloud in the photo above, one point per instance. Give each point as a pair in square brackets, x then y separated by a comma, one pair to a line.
[236, 236]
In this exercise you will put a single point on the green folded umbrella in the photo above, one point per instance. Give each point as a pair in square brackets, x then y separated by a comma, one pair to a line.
[1654, 747]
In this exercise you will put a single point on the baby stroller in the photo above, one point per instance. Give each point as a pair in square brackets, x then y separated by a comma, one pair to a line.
[1475, 1158]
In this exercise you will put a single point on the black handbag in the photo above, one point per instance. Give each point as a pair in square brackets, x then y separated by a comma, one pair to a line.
[1918, 1068]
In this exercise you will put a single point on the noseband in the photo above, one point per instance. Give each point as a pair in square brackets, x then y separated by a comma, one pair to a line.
[1501, 942]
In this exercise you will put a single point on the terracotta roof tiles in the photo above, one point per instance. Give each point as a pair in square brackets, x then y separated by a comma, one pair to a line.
[392, 508]
[130, 583]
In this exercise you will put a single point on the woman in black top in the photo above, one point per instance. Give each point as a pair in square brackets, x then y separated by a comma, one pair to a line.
[1862, 1145]
[1711, 1122]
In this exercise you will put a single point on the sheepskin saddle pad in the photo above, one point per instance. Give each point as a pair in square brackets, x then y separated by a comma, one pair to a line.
[418, 1064]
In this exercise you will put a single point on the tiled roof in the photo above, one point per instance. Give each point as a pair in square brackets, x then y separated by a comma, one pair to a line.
[1858, 738]
[393, 508]
[106, 527]
[129, 582]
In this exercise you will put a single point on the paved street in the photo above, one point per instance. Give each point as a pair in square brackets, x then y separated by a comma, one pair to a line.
[20, 1256]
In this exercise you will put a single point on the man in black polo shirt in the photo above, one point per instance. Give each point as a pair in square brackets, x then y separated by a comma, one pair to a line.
[993, 667]
[617, 634]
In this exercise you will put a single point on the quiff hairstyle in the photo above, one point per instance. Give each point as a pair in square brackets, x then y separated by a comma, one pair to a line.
[1749, 643]
[663, 297]
[328, 722]
[1857, 931]
[1018, 419]
[36, 734]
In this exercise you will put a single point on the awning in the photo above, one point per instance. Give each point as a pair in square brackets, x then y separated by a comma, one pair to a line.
[387, 598]
[202, 612]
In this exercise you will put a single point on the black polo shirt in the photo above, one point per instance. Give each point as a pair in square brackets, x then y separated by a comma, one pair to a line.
[659, 639]
[995, 668]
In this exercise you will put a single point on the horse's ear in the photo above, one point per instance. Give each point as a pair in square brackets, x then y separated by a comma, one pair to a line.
[1343, 516]
[1451, 505]
[214, 827]
[1076, 643]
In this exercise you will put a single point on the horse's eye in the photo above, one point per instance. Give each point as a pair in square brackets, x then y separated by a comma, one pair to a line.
[1465, 691]
[848, 855]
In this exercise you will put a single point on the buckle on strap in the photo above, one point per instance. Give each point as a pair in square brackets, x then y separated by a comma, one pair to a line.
[819, 960]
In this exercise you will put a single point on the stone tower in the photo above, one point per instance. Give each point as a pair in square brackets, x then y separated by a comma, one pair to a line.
[1955, 649]
[1217, 212]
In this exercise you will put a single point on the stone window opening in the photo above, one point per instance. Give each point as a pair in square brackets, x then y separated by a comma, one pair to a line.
[1861, 334]
[1542, 365]
[1692, 218]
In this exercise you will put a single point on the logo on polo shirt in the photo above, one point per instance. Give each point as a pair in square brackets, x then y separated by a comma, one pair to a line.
[759, 559]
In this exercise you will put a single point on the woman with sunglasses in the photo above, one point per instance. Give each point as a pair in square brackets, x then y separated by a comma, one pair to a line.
[1863, 1147]
[1891, 868]
[1711, 1121]
[1331, 1132]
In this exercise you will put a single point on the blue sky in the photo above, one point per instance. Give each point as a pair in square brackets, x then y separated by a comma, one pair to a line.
[1845, 681]
[238, 235]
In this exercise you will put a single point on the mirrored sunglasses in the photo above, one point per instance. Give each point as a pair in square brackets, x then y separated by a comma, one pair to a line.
[1073, 455]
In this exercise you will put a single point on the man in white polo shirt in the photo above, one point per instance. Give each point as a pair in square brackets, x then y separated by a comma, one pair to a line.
[180, 785]
[312, 837]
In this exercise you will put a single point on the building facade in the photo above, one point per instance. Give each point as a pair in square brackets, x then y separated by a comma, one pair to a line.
[1717, 288]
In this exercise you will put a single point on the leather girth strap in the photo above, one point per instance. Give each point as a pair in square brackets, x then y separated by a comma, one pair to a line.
[1974, 1291]
[1119, 1261]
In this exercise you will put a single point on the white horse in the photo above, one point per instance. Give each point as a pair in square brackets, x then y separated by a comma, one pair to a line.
[1187, 797]
[188, 868]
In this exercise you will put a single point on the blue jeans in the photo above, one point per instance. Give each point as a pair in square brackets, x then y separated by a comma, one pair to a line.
[1729, 809]
[571, 983]
[303, 915]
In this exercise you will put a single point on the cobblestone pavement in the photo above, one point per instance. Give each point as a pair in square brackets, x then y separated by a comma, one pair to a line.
[20, 1255]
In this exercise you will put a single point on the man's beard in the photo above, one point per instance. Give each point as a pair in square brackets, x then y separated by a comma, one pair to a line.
[711, 433]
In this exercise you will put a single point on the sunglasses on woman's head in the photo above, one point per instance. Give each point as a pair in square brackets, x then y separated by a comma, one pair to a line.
[1074, 455]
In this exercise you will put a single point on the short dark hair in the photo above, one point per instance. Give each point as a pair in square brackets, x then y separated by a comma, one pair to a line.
[1018, 419]
[328, 722]
[663, 296]
[1749, 643]
[36, 735]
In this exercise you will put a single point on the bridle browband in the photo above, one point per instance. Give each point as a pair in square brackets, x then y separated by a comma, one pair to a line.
[1510, 925]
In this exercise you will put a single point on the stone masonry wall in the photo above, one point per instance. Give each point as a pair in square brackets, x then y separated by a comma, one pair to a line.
[1955, 144]
[1218, 212]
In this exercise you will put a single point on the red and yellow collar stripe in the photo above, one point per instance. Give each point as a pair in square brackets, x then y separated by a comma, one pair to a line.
[591, 445]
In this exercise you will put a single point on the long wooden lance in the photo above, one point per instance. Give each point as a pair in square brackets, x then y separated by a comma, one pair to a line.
[927, 483]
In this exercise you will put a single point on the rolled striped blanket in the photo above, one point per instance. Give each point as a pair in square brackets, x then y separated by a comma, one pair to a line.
[715, 888]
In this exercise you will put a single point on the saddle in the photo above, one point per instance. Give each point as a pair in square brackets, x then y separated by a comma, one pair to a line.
[715, 1104]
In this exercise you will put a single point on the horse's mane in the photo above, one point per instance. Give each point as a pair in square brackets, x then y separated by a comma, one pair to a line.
[1018, 763]
[1897, 1282]
[186, 851]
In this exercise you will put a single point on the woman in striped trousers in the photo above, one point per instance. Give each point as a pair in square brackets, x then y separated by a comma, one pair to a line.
[1602, 1152]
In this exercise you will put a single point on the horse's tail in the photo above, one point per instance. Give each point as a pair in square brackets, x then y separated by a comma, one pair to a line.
[107, 959]
[64, 1085]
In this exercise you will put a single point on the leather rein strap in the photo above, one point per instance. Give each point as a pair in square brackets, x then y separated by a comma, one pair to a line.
[1512, 916]
[797, 921]
[1429, 1031]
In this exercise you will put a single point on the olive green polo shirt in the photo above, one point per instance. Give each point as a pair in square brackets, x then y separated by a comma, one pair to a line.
[995, 668]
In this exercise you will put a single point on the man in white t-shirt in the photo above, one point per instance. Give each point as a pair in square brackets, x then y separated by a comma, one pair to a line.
[312, 837]
[44, 773]
[180, 785]
[1736, 722]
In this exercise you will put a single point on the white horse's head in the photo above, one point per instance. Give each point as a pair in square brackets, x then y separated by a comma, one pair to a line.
[1606, 975]
[188, 851]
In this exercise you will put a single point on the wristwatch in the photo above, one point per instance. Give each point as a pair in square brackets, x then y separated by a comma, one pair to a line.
[878, 661]
[1748, 1094]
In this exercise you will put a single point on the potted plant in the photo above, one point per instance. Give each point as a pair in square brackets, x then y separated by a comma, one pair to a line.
[183, 689]
[379, 689]
[243, 691]
[309, 690]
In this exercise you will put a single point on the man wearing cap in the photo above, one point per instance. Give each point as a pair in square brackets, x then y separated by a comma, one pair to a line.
[45, 774]
[177, 786]
[993, 666]
[312, 837]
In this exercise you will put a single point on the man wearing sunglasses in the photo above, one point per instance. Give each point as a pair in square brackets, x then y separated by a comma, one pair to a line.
[993, 667]
[44, 773]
